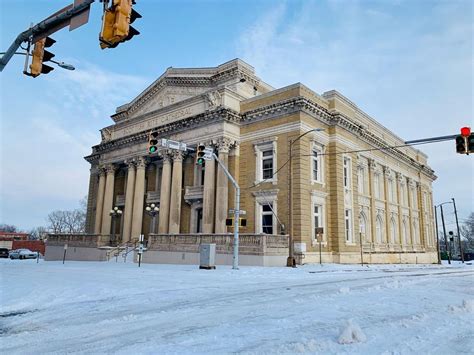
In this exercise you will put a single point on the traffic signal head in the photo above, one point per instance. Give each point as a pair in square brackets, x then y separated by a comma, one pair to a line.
[39, 56]
[461, 144]
[153, 142]
[200, 154]
[470, 143]
[116, 23]
[465, 131]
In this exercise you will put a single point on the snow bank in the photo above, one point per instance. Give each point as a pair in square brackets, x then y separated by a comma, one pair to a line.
[351, 333]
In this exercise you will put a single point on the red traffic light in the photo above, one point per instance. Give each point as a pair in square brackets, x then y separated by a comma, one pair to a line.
[465, 131]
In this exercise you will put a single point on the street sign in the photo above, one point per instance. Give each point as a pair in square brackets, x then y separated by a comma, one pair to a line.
[65, 246]
[170, 144]
[208, 153]
[232, 211]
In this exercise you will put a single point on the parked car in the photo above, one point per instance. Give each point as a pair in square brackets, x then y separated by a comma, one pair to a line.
[3, 253]
[23, 254]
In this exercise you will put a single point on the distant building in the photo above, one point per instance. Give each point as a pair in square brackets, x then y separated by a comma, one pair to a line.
[7, 238]
[350, 178]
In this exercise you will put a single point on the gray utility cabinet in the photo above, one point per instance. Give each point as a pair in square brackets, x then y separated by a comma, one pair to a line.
[207, 259]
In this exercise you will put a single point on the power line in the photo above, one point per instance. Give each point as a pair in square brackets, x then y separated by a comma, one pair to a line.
[417, 142]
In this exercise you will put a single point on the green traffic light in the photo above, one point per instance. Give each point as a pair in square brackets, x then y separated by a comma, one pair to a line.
[200, 161]
[152, 149]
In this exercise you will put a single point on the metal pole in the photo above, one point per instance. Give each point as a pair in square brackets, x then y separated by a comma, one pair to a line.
[291, 259]
[432, 139]
[457, 226]
[437, 235]
[48, 24]
[361, 251]
[445, 237]
[320, 252]
[235, 258]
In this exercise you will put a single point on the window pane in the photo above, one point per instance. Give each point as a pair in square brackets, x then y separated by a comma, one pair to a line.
[266, 208]
[267, 153]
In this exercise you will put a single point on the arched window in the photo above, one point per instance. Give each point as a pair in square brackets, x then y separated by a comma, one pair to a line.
[416, 233]
[404, 232]
[363, 226]
[379, 229]
[393, 231]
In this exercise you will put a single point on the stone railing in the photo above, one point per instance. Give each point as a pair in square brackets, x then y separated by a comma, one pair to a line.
[153, 196]
[78, 240]
[193, 193]
[251, 244]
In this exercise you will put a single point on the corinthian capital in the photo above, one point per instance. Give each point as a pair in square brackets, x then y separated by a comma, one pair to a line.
[177, 155]
[110, 168]
[141, 162]
[224, 144]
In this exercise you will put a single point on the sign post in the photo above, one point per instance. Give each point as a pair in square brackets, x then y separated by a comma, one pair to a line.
[319, 238]
[140, 250]
[65, 250]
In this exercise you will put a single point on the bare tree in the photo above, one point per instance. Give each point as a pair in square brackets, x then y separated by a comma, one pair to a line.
[38, 233]
[8, 228]
[467, 232]
[69, 221]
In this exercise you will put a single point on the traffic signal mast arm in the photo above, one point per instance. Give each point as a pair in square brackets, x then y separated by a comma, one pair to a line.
[235, 262]
[44, 28]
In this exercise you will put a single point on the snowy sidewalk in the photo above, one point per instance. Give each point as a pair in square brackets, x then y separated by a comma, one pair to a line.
[88, 307]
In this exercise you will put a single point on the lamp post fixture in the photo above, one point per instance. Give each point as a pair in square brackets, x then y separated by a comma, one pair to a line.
[116, 213]
[152, 210]
[291, 262]
[444, 229]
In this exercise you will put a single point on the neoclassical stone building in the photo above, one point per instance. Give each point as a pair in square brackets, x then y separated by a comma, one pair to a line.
[346, 177]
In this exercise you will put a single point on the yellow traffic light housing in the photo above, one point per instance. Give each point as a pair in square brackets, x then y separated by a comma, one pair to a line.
[39, 56]
[116, 23]
[200, 155]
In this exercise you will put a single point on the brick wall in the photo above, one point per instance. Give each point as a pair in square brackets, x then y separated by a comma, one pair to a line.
[33, 245]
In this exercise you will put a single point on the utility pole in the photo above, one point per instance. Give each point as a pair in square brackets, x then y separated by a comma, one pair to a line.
[437, 235]
[235, 259]
[457, 226]
[445, 237]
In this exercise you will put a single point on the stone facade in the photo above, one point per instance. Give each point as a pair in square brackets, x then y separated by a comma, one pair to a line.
[352, 177]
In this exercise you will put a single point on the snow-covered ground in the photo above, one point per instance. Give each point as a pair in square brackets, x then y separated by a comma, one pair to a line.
[92, 307]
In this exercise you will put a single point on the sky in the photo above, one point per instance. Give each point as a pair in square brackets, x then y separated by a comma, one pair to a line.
[408, 64]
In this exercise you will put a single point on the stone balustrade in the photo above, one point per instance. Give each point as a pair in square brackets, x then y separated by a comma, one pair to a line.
[249, 244]
[78, 240]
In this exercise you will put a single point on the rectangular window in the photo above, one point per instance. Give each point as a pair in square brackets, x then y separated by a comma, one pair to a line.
[267, 219]
[361, 180]
[348, 225]
[377, 185]
[317, 217]
[347, 173]
[267, 164]
[316, 161]
[390, 190]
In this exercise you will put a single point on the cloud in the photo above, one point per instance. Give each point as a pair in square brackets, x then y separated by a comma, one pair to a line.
[407, 64]
[48, 138]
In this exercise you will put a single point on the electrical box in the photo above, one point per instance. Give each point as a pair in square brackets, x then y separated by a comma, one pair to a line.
[207, 258]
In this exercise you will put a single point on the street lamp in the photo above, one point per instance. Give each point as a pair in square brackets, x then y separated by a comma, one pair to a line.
[291, 262]
[59, 64]
[116, 213]
[152, 210]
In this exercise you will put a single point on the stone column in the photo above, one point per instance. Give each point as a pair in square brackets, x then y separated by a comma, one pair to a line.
[399, 179]
[410, 209]
[165, 194]
[222, 190]
[99, 201]
[373, 212]
[175, 201]
[209, 197]
[386, 175]
[129, 193]
[108, 199]
[138, 199]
